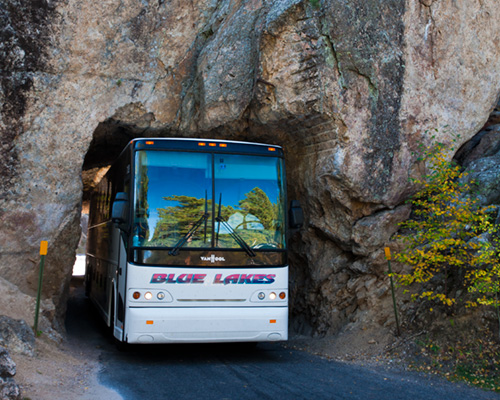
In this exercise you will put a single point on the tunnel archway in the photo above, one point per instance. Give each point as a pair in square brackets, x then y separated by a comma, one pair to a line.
[333, 283]
[110, 137]
[324, 272]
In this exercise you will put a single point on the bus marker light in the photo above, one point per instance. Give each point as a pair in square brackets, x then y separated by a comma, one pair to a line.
[272, 321]
[271, 149]
[148, 296]
[212, 144]
[202, 144]
[282, 295]
[261, 296]
[136, 295]
[149, 322]
[222, 144]
[149, 142]
[272, 296]
[160, 295]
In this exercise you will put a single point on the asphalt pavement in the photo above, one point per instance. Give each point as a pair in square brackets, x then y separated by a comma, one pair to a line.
[239, 372]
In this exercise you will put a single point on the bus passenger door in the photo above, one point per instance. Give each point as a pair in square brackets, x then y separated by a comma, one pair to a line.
[119, 217]
[120, 288]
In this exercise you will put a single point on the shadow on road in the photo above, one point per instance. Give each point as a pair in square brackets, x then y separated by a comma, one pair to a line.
[85, 328]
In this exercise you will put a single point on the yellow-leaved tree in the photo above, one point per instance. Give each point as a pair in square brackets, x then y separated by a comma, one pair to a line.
[450, 240]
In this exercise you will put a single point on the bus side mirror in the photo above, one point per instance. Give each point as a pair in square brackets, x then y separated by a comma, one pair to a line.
[119, 211]
[296, 216]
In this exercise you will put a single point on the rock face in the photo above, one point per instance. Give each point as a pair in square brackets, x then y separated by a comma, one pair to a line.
[348, 88]
[480, 158]
[8, 387]
[16, 335]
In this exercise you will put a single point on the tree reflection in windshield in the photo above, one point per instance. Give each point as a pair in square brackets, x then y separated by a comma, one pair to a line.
[253, 221]
[174, 193]
[176, 221]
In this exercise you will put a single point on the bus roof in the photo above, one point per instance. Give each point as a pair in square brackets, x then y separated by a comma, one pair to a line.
[206, 145]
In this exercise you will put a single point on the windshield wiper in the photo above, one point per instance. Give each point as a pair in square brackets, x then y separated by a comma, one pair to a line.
[238, 239]
[192, 231]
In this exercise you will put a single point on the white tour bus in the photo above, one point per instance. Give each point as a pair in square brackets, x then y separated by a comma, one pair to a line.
[187, 242]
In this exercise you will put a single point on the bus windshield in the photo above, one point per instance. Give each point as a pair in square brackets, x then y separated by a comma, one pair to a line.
[187, 200]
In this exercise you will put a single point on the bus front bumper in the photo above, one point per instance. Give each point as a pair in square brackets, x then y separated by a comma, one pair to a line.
[206, 325]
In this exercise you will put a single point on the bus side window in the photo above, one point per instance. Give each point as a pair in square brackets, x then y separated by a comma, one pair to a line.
[108, 201]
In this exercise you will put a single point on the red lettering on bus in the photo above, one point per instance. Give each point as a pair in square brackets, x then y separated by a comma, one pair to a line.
[159, 278]
[258, 278]
[231, 279]
[246, 278]
[198, 278]
[185, 278]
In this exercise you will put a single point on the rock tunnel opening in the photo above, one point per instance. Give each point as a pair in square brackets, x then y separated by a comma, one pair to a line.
[111, 137]
[320, 268]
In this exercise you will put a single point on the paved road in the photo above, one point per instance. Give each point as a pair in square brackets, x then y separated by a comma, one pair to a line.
[270, 371]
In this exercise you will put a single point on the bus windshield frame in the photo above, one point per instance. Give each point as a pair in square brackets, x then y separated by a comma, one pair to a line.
[188, 205]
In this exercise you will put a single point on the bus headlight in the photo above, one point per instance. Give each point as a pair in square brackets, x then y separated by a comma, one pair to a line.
[150, 296]
[269, 296]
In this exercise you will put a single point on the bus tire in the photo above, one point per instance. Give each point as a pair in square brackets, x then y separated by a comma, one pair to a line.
[121, 346]
[87, 287]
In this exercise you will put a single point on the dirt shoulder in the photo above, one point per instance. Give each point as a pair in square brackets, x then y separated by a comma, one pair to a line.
[60, 371]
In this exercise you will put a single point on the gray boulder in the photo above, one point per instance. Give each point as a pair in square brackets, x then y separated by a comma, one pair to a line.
[483, 175]
[9, 390]
[16, 335]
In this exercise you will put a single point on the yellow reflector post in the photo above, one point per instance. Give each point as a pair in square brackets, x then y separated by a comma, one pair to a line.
[387, 253]
[272, 321]
[43, 247]
[149, 322]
